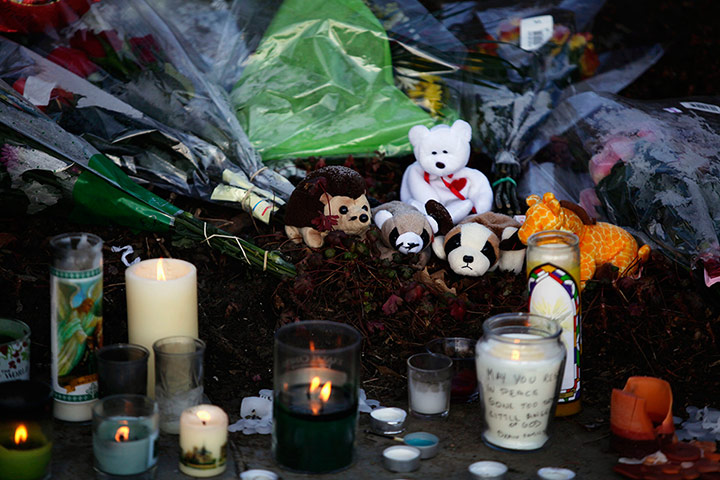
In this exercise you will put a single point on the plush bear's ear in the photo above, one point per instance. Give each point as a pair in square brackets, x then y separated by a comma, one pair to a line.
[438, 246]
[462, 129]
[381, 217]
[416, 134]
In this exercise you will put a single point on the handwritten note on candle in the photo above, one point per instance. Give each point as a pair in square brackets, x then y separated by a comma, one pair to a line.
[518, 388]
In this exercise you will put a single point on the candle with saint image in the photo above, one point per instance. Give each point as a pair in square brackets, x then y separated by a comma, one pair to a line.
[203, 440]
[519, 364]
[315, 396]
[161, 302]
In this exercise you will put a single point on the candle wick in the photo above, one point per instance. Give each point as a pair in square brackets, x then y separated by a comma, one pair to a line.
[204, 422]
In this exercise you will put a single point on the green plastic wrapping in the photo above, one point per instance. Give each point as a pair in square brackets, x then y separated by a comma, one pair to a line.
[321, 84]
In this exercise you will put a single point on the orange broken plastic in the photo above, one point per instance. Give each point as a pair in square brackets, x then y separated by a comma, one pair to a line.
[642, 410]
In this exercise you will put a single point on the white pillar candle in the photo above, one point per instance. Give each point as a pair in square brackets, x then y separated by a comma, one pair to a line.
[161, 302]
[519, 382]
[203, 440]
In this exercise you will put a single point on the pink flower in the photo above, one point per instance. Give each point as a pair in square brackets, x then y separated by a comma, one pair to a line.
[615, 149]
[74, 60]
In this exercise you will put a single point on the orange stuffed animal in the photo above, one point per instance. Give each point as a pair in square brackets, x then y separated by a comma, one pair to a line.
[600, 242]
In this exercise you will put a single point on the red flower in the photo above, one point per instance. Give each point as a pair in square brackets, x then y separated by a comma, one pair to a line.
[144, 48]
[74, 60]
[12, 365]
[96, 45]
[589, 63]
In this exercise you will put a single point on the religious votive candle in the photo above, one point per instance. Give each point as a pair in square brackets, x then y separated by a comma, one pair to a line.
[161, 302]
[519, 365]
[203, 441]
[25, 430]
[315, 393]
[125, 435]
[76, 293]
[14, 350]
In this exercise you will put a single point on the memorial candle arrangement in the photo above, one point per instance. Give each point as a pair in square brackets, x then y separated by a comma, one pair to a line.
[161, 302]
[519, 365]
[125, 433]
[76, 291]
[25, 430]
[315, 396]
[203, 441]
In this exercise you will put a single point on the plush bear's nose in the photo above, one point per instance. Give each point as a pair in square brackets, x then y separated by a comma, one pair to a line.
[468, 258]
[440, 165]
[364, 218]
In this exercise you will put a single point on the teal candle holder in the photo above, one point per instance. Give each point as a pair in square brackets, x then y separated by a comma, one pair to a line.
[316, 381]
[125, 435]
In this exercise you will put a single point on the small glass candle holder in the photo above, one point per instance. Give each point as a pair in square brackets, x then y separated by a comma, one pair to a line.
[122, 368]
[25, 430]
[203, 441]
[125, 435]
[178, 378]
[315, 406]
[429, 382]
[76, 292]
[519, 364]
[462, 352]
[14, 350]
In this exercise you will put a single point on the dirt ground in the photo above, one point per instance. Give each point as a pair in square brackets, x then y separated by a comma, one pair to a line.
[665, 324]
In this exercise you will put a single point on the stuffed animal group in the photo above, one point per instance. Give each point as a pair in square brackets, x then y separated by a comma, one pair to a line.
[444, 208]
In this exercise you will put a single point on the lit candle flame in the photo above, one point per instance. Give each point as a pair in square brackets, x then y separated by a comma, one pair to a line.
[122, 434]
[160, 271]
[325, 392]
[21, 434]
[312, 346]
[515, 355]
[314, 384]
[203, 416]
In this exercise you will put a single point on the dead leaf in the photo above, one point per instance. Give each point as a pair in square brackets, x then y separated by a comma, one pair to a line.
[434, 281]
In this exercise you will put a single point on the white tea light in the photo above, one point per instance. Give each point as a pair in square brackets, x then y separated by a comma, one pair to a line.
[258, 474]
[552, 473]
[401, 458]
[487, 470]
[388, 421]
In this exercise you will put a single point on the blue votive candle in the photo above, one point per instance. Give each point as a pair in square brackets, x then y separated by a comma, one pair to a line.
[125, 433]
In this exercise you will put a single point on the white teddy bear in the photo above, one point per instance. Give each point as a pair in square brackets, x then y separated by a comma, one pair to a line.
[440, 172]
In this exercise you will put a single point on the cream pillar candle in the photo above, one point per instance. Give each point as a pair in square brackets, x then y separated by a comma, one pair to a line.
[161, 302]
[203, 440]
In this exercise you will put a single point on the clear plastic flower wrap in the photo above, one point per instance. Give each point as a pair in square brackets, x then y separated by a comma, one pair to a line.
[652, 167]
[133, 50]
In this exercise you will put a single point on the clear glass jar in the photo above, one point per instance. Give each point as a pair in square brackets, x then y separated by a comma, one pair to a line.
[519, 362]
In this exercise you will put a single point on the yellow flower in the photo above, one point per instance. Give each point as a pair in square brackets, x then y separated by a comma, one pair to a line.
[577, 41]
[428, 93]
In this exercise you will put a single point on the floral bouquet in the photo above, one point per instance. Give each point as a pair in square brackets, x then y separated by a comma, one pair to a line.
[46, 165]
[127, 49]
[651, 167]
[144, 148]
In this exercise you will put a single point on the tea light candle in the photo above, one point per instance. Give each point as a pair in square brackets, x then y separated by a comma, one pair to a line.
[401, 458]
[257, 474]
[388, 421]
[161, 302]
[203, 440]
[488, 470]
[552, 473]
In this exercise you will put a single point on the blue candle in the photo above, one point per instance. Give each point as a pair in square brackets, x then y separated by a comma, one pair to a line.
[125, 446]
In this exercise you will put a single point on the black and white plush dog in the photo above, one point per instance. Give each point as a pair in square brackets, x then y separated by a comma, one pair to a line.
[480, 244]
